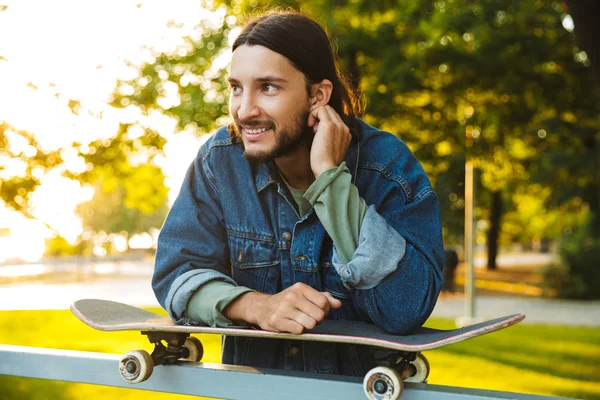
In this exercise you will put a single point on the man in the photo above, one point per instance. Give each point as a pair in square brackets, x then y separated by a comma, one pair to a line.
[299, 212]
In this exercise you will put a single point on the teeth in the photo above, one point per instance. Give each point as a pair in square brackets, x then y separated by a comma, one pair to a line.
[256, 131]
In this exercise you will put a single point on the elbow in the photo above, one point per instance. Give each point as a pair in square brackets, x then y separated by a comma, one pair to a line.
[409, 308]
[406, 322]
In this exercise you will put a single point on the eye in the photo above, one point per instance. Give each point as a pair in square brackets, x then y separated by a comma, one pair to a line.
[235, 90]
[268, 87]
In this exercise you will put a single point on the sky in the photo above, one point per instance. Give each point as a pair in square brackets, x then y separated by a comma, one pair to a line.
[55, 51]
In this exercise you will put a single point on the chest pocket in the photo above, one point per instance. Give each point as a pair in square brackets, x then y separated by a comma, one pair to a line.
[253, 260]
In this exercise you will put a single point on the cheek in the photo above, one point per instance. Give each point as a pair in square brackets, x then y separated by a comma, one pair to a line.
[280, 110]
[233, 106]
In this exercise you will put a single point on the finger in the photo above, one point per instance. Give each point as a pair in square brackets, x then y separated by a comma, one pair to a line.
[319, 299]
[333, 302]
[312, 120]
[304, 320]
[334, 115]
[289, 325]
[321, 114]
[315, 312]
[339, 122]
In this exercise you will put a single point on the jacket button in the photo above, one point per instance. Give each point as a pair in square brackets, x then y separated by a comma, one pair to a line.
[294, 350]
[287, 236]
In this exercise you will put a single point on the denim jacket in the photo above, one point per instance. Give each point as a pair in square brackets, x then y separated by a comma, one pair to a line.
[237, 222]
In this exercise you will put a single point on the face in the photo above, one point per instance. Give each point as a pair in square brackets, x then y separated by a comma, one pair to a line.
[268, 102]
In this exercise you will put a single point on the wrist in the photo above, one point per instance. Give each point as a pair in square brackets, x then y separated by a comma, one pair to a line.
[246, 308]
[322, 168]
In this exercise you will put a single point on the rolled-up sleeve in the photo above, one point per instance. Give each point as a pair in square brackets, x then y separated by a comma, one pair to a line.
[370, 264]
[192, 245]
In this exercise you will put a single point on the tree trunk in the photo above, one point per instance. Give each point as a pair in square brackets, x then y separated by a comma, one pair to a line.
[494, 231]
[585, 14]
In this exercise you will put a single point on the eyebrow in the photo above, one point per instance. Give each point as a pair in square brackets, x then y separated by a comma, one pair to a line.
[262, 79]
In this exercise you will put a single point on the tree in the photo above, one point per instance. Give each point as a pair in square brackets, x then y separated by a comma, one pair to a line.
[22, 165]
[135, 204]
[502, 84]
[492, 81]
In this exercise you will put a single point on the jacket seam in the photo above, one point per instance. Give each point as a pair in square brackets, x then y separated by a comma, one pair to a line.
[368, 299]
[250, 235]
[207, 148]
[424, 193]
[395, 178]
[211, 178]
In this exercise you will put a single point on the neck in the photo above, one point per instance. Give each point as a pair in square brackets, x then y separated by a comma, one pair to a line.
[295, 168]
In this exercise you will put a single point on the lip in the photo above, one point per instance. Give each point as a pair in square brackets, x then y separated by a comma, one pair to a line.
[254, 137]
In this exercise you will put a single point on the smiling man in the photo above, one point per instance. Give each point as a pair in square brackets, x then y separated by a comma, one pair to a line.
[299, 211]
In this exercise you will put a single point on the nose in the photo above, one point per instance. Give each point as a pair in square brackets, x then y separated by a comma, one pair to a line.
[248, 107]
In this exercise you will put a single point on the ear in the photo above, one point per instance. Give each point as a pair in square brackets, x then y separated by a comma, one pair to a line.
[321, 93]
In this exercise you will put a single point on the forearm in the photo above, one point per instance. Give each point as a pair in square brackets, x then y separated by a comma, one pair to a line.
[339, 207]
[244, 310]
[405, 298]
[397, 269]
[208, 302]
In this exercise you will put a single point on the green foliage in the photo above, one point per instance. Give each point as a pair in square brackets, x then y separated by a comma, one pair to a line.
[134, 202]
[480, 80]
[129, 191]
[58, 246]
[579, 276]
[502, 84]
[189, 77]
[22, 164]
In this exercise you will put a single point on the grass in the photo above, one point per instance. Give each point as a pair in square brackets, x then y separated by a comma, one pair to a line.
[536, 359]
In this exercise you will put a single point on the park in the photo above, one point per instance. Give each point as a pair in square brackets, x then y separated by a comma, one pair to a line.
[104, 106]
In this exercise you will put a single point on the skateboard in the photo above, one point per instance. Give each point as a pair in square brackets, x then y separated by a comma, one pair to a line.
[173, 343]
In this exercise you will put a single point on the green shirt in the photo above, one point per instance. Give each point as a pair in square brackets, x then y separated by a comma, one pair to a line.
[339, 208]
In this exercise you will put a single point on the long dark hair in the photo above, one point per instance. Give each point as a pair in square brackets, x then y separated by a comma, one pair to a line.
[306, 44]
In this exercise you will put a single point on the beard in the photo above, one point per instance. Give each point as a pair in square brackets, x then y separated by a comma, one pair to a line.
[287, 140]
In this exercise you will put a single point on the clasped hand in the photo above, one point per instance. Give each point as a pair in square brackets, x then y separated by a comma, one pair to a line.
[295, 309]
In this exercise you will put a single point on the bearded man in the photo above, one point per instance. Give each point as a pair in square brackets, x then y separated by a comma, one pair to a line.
[299, 211]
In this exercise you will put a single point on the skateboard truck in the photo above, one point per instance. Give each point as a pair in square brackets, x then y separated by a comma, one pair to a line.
[387, 380]
[136, 366]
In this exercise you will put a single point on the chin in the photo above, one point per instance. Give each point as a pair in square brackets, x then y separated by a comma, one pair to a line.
[257, 156]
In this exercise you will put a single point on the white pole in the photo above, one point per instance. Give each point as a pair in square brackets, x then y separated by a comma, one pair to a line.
[469, 244]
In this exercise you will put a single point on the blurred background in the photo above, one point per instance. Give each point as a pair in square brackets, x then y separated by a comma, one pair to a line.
[103, 105]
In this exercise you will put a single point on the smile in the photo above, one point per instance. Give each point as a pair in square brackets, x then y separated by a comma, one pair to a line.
[253, 135]
[256, 131]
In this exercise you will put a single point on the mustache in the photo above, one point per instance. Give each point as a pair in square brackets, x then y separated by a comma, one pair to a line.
[254, 123]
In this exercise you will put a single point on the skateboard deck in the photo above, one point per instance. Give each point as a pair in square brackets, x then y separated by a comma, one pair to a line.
[112, 316]
[405, 363]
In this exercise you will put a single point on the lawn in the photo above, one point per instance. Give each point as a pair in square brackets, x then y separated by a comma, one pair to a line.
[538, 359]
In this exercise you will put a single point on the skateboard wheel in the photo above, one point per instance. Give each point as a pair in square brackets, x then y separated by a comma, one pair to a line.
[136, 366]
[382, 383]
[195, 348]
[421, 366]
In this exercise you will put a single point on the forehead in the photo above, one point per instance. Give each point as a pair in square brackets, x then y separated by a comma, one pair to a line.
[253, 62]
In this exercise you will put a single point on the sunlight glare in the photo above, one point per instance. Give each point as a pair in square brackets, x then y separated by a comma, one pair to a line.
[85, 47]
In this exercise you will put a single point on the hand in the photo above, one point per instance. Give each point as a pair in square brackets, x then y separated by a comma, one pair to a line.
[292, 310]
[332, 138]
